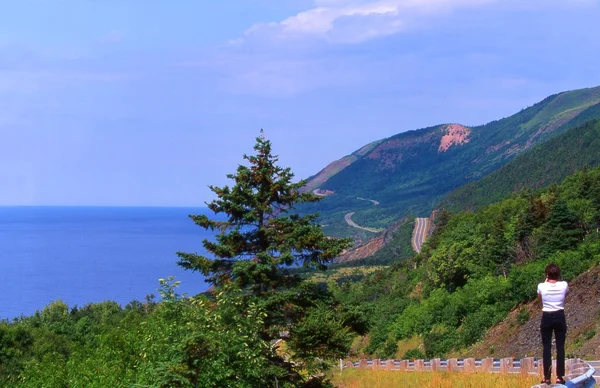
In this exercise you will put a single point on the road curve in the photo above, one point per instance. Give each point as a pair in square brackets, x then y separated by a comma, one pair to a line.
[348, 218]
[419, 233]
[374, 202]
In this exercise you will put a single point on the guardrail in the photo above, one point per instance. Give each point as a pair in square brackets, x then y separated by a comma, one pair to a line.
[579, 373]
[585, 380]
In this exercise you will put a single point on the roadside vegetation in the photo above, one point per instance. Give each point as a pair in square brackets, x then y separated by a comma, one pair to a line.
[343, 274]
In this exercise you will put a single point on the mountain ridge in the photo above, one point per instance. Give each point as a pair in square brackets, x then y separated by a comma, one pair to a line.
[563, 155]
[408, 173]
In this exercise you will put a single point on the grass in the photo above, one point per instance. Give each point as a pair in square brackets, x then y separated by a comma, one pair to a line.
[357, 378]
[414, 342]
[341, 273]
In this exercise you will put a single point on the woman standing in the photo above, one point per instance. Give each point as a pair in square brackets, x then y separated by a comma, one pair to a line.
[552, 294]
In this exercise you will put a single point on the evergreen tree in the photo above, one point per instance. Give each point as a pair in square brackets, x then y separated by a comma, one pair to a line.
[562, 230]
[258, 245]
[260, 238]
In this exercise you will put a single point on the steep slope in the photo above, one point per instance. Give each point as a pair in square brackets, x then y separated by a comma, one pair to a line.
[548, 163]
[520, 337]
[336, 166]
[387, 247]
[410, 172]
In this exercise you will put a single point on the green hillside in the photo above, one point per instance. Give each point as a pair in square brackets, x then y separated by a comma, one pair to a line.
[476, 268]
[411, 172]
[548, 163]
[544, 165]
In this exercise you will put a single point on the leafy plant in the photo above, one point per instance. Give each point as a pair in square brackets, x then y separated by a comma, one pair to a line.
[523, 316]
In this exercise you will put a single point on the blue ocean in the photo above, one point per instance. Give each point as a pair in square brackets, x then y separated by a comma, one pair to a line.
[90, 254]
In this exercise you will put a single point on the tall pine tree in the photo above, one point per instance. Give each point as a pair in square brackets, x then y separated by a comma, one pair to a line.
[562, 230]
[261, 238]
[259, 244]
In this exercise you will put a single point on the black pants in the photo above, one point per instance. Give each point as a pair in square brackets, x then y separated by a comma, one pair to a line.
[554, 321]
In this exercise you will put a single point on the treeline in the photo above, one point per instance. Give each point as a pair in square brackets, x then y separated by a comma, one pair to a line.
[476, 267]
[220, 340]
[179, 342]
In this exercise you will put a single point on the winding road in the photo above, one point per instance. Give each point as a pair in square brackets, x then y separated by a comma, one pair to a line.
[419, 233]
[348, 218]
[374, 202]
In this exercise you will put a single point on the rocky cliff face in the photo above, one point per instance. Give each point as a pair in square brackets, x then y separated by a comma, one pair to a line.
[390, 153]
[454, 134]
[368, 249]
[362, 251]
[582, 309]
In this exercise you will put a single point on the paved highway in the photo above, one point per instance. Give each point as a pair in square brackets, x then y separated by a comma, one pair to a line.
[348, 218]
[419, 233]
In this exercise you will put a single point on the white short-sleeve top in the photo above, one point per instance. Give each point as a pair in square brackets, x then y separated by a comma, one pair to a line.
[553, 295]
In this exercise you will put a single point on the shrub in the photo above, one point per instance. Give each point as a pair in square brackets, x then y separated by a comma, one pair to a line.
[476, 324]
[440, 341]
[523, 281]
[413, 354]
[523, 316]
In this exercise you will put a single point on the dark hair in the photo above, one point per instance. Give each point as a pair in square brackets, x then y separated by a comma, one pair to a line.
[552, 272]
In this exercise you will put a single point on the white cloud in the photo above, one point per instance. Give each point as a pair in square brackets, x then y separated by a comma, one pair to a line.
[353, 21]
[293, 55]
[327, 46]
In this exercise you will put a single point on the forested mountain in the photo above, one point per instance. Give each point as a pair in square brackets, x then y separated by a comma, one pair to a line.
[479, 266]
[407, 174]
[546, 164]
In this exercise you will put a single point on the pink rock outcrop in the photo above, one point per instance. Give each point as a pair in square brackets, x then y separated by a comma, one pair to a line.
[455, 134]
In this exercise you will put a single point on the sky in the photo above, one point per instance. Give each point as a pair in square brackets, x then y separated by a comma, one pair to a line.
[148, 102]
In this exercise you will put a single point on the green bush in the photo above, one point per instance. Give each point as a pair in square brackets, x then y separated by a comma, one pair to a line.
[476, 324]
[523, 281]
[389, 348]
[523, 316]
[415, 319]
[440, 341]
[415, 354]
